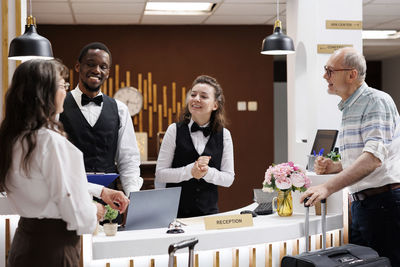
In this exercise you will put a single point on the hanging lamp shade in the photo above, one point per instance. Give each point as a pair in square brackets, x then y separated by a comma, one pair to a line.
[30, 45]
[277, 43]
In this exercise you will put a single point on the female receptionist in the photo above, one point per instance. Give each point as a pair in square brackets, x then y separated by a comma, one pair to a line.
[197, 152]
[42, 172]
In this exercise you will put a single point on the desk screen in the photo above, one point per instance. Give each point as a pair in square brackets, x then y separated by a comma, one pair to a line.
[325, 139]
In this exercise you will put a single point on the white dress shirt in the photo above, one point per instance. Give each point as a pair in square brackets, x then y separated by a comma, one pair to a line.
[55, 185]
[166, 174]
[128, 155]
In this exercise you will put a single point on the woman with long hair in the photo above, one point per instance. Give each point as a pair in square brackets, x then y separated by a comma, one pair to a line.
[197, 152]
[42, 172]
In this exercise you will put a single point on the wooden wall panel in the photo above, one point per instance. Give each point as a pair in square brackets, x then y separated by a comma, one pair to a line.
[4, 50]
[178, 54]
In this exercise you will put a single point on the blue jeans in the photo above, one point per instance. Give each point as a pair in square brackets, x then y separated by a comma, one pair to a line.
[376, 224]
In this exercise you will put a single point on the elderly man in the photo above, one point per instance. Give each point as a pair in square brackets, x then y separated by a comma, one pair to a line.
[370, 166]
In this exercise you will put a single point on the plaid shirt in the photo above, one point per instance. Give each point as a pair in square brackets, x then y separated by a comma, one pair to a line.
[369, 120]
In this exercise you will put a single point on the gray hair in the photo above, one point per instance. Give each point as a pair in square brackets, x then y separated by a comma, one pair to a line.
[353, 59]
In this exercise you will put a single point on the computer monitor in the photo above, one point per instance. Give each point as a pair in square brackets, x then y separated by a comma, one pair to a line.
[325, 139]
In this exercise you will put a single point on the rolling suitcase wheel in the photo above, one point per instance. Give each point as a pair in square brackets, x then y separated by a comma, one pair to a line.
[190, 243]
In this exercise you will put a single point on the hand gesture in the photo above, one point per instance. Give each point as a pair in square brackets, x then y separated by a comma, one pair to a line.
[101, 211]
[116, 199]
[315, 193]
[200, 167]
[323, 165]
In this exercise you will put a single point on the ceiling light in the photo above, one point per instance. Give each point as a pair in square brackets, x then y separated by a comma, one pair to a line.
[177, 8]
[384, 34]
[277, 43]
[30, 45]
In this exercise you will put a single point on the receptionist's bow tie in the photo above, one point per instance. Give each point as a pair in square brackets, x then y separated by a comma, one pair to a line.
[97, 100]
[206, 130]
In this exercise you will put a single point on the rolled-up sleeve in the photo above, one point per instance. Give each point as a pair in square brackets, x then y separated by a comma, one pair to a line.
[378, 127]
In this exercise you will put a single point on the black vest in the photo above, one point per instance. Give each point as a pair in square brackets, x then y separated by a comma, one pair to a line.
[98, 143]
[198, 197]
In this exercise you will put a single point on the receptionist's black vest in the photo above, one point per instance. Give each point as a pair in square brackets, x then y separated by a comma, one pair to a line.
[98, 143]
[198, 197]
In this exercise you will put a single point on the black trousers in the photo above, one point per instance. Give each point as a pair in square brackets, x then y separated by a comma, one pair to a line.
[44, 242]
[376, 224]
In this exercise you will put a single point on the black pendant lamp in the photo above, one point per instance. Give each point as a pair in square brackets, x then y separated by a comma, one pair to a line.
[30, 45]
[277, 43]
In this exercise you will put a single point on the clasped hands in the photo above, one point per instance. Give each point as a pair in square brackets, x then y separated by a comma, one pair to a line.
[200, 167]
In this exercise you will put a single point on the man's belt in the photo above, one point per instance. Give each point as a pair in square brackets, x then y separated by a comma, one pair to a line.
[369, 192]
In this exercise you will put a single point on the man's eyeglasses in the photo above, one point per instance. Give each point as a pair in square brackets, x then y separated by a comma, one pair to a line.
[65, 86]
[329, 71]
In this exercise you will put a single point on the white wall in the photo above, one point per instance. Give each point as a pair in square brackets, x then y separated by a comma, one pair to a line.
[309, 105]
[391, 78]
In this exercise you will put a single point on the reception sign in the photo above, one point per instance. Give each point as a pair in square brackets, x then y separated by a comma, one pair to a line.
[228, 221]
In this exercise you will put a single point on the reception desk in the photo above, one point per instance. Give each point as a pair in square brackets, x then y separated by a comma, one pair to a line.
[153, 243]
[263, 244]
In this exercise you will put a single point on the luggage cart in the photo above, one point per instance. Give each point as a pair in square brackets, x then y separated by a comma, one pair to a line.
[190, 243]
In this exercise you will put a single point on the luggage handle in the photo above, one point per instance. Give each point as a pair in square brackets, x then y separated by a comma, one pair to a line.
[336, 252]
[307, 223]
[190, 243]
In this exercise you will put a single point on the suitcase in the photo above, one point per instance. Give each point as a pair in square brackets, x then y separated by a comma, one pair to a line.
[344, 256]
[190, 243]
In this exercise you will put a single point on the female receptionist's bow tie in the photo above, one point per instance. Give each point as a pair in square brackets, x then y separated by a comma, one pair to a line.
[97, 100]
[206, 130]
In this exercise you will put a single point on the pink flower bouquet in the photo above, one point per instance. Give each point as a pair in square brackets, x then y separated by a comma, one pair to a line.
[285, 176]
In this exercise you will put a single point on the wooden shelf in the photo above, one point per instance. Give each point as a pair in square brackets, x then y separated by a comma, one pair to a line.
[147, 171]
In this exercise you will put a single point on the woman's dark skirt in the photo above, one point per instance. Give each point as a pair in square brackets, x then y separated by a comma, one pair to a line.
[44, 242]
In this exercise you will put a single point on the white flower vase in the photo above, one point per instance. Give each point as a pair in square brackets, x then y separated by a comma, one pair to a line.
[110, 229]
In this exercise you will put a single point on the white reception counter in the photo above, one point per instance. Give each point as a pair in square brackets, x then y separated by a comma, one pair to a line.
[262, 244]
[266, 229]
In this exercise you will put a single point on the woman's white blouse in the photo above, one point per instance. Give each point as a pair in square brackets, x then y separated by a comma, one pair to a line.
[166, 174]
[55, 185]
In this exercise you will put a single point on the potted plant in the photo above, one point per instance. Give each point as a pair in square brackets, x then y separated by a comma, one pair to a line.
[334, 156]
[109, 227]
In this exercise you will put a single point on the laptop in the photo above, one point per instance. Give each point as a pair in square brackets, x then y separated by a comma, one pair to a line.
[155, 208]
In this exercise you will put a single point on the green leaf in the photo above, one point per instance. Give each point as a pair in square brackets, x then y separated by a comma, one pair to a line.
[333, 156]
[111, 214]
